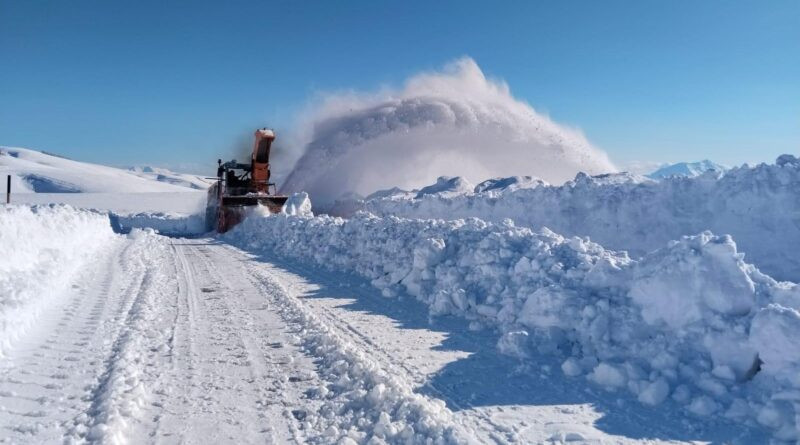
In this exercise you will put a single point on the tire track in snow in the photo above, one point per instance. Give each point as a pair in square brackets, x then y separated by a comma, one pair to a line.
[363, 398]
[478, 423]
[231, 372]
[568, 415]
[119, 402]
[478, 426]
[47, 380]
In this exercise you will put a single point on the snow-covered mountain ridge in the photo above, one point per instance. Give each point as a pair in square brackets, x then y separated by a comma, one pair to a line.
[39, 172]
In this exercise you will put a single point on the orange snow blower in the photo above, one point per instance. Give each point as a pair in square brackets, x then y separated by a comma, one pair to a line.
[242, 186]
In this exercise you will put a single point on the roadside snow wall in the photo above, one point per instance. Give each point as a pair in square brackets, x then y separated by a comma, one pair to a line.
[41, 247]
[691, 322]
[758, 206]
[163, 223]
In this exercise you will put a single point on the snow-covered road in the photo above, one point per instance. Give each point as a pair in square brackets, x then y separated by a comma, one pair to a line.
[195, 341]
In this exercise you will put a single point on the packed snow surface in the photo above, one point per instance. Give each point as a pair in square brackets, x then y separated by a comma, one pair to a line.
[455, 122]
[757, 205]
[690, 324]
[145, 338]
[41, 247]
[687, 169]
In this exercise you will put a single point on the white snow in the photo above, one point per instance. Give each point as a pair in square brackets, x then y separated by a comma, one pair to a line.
[456, 123]
[139, 197]
[160, 174]
[510, 183]
[446, 186]
[688, 325]
[756, 205]
[165, 223]
[297, 205]
[682, 318]
[41, 247]
[37, 172]
[671, 288]
[687, 169]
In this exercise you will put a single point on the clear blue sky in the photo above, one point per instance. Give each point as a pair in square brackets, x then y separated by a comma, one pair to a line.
[167, 82]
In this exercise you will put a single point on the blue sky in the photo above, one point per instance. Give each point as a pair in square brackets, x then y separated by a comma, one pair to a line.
[171, 83]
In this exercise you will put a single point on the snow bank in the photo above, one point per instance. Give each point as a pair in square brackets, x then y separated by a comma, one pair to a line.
[41, 247]
[510, 183]
[757, 205]
[164, 223]
[454, 122]
[691, 323]
[184, 203]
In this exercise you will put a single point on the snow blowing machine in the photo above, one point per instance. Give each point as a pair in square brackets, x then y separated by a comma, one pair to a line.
[241, 186]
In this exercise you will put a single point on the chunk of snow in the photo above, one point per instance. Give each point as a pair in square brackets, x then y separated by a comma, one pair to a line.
[609, 376]
[571, 367]
[446, 186]
[655, 392]
[691, 279]
[786, 160]
[298, 205]
[703, 406]
[775, 334]
[509, 183]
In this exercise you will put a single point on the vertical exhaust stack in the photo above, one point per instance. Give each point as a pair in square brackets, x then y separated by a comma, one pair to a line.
[241, 186]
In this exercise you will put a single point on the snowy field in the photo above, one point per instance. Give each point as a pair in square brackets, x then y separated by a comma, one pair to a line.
[611, 309]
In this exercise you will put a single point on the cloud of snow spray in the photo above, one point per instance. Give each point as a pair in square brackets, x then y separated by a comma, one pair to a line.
[455, 122]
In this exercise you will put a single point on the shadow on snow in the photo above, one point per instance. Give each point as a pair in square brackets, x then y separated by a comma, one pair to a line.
[488, 378]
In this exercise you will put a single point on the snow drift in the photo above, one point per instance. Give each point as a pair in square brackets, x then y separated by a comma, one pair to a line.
[455, 122]
[170, 224]
[691, 323]
[757, 205]
[41, 247]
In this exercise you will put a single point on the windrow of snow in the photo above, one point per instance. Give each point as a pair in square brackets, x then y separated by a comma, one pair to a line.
[757, 205]
[41, 247]
[164, 223]
[690, 324]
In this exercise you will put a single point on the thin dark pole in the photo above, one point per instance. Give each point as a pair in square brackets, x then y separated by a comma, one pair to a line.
[8, 190]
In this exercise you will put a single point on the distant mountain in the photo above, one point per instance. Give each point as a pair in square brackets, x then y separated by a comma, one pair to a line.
[686, 169]
[39, 172]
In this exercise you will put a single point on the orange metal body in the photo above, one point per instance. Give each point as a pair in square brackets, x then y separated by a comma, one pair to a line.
[260, 160]
[231, 196]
